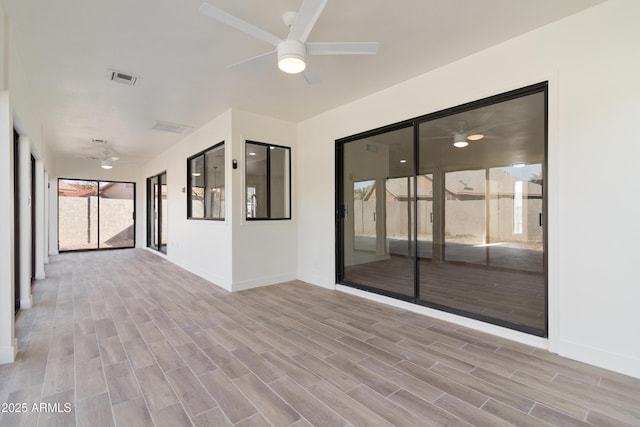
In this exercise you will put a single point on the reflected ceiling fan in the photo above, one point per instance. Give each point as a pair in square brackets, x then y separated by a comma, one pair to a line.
[292, 52]
[461, 135]
[106, 160]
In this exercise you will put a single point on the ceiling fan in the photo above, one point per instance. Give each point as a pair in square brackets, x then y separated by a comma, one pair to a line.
[106, 160]
[461, 135]
[292, 52]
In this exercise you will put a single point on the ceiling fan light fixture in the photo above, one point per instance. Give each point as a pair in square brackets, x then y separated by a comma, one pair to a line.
[460, 144]
[460, 140]
[291, 56]
[106, 164]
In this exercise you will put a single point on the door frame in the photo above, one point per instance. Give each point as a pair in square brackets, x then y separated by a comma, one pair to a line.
[155, 224]
[341, 212]
[99, 182]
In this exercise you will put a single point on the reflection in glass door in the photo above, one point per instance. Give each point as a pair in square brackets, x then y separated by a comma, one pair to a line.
[377, 248]
[461, 227]
[157, 212]
[488, 206]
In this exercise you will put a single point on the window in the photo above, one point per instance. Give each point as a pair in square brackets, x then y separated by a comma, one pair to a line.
[268, 181]
[205, 175]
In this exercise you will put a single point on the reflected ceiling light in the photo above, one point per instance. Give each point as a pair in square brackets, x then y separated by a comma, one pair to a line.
[106, 164]
[475, 137]
[518, 165]
[291, 56]
[460, 140]
[196, 174]
[403, 161]
[252, 153]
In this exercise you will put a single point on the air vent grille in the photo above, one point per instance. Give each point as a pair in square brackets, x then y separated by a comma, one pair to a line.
[123, 78]
[171, 127]
[99, 141]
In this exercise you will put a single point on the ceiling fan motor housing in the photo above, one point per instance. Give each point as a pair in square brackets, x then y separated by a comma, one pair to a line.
[292, 56]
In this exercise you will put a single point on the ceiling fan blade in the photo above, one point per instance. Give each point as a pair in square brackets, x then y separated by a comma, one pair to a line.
[429, 138]
[253, 59]
[237, 23]
[305, 20]
[310, 77]
[343, 48]
[79, 156]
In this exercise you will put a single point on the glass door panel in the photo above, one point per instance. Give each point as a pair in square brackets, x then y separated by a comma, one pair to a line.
[377, 228]
[117, 215]
[488, 239]
[95, 214]
[77, 214]
[157, 212]
[153, 213]
[163, 223]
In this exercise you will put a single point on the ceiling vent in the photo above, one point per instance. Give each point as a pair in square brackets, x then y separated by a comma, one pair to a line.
[99, 141]
[124, 78]
[171, 127]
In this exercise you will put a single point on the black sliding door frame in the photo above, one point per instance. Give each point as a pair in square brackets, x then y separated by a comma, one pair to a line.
[32, 200]
[98, 197]
[154, 223]
[16, 218]
[342, 214]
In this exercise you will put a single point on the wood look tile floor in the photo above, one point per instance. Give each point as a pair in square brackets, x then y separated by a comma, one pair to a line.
[126, 338]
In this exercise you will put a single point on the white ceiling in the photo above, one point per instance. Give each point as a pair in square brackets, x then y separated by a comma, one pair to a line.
[66, 48]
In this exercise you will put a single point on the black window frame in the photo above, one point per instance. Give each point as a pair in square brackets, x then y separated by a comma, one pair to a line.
[268, 179]
[203, 154]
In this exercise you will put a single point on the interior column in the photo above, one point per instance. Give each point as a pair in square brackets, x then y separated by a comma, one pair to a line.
[39, 201]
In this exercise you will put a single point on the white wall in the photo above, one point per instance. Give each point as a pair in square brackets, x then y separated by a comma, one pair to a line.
[18, 110]
[234, 254]
[201, 246]
[264, 252]
[592, 65]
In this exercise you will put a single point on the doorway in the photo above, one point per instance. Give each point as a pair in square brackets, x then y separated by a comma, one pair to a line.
[157, 224]
[16, 218]
[95, 214]
[447, 210]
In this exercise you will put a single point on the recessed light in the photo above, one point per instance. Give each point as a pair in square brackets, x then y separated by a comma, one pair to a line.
[403, 161]
[475, 137]
[518, 165]
[196, 174]
[252, 153]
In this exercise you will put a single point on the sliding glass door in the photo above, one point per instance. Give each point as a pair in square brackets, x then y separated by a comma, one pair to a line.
[157, 212]
[378, 191]
[447, 210]
[95, 214]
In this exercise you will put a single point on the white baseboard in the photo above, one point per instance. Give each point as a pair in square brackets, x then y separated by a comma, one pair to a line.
[8, 354]
[26, 302]
[604, 359]
[488, 328]
[263, 281]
